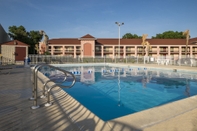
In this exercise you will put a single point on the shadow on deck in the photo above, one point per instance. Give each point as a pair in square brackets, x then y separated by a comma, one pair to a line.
[64, 115]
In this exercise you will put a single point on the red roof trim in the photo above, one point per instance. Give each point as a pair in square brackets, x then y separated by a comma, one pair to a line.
[15, 42]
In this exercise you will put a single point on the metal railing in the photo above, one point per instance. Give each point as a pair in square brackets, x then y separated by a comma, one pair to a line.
[180, 60]
[35, 83]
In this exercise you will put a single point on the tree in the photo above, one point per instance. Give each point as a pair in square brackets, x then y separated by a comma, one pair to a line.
[169, 35]
[31, 38]
[35, 37]
[131, 36]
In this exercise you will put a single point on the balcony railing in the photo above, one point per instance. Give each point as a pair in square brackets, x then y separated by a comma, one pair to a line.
[98, 50]
[57, 48]
[57, 51]
[163, 50]
[78, 51]
[153, 51]
[118, 50]
[174, 51]
[68, 51]
[108, 51]
[130, 51]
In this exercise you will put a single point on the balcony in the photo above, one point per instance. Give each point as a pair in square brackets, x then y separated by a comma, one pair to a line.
[121, 50]
[57, 51]
[98, 50]
[184, 51]
[130, 51]
[78, 51]
[163, 51]
[153, 51]
[174, 51]
[69, 51]
[108, 51]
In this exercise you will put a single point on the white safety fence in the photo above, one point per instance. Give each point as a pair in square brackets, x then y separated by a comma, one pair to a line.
[161, 60]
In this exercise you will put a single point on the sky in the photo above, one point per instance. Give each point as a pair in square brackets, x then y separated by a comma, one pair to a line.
[76, 18]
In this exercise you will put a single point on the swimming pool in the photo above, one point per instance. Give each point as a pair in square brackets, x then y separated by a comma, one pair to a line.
[112, 92]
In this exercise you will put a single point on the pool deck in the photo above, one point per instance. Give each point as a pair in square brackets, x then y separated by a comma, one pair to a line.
[66, 114]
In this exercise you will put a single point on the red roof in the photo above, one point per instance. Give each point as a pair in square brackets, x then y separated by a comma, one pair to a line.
[66, 41]
[87, 36]
[139, 41]
[15, 42]
[115, 41]
[193, 40]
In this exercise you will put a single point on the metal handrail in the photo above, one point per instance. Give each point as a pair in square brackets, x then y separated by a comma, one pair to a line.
[49, 90]
[34, 78]
[44, 86]
[35, 82]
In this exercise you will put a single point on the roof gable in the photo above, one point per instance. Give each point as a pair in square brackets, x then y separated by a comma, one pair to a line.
[15, 42]
[87, 36]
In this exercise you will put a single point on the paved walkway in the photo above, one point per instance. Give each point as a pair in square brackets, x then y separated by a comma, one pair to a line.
[15, 112]
[66, 114]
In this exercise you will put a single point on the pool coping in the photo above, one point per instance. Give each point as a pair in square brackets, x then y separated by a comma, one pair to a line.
[156, 115]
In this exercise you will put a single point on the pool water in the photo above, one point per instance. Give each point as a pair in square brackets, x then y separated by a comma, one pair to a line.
[112, 92]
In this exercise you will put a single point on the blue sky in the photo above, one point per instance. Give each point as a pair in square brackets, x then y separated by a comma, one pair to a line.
[76, 18]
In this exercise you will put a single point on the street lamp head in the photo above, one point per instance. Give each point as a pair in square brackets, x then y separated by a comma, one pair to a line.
[119, 24]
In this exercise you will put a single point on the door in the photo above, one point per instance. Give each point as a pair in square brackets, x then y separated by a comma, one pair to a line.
[87, 50]
[20, 53]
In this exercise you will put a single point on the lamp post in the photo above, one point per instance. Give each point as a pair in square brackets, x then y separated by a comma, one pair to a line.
[119, 24]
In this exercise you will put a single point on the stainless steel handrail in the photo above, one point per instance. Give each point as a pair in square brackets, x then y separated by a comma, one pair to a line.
[32, 97]
[49, 90]
[35, 81]
[43, 89]
[35, 91]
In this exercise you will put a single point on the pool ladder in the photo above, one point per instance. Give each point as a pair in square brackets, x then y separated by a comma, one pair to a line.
[35, 85]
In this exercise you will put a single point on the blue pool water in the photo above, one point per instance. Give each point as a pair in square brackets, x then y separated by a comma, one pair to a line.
[112, 92]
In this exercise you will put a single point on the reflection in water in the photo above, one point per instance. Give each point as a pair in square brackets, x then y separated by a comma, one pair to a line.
[113, 90]
[86, 74]
[187, 89]
[144, 81]
[169, 79]
[146, 78]
[119, 88]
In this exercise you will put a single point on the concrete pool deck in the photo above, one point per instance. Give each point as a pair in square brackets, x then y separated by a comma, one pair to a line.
[69, 115]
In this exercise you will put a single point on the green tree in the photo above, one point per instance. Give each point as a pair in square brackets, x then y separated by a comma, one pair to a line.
[169, 35]
[31, 38]
[35, 38]
[131, 36]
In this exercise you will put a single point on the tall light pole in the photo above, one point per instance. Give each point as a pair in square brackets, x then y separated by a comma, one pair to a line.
[119, 24]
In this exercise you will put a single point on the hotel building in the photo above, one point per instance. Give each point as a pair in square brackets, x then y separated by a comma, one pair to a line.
[89, 46]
